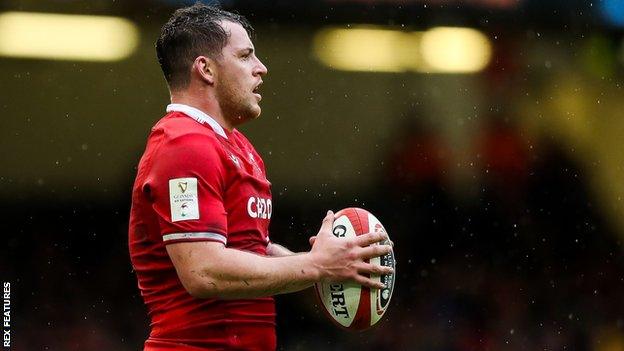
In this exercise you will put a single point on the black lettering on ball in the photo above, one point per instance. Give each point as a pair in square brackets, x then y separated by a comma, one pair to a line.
[340, 231]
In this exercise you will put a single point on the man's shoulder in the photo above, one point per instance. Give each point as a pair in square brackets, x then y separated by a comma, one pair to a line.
[176, 134]
[176, 128]
[176, 124]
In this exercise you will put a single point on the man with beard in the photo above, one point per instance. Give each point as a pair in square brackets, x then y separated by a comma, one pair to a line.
[201, 203]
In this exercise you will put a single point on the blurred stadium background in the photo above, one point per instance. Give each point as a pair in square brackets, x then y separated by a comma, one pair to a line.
[487, 135]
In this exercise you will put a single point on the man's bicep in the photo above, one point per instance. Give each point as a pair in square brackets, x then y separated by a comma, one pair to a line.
[189, 260]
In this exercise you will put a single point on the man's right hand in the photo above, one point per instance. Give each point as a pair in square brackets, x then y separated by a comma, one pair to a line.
[341, 259]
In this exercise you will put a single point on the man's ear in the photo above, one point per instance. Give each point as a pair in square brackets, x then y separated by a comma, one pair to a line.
[204, 69]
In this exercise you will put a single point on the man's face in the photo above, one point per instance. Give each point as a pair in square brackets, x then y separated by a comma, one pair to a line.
[238, 76]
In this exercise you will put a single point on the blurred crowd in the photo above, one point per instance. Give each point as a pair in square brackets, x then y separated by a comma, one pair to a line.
[524, 262]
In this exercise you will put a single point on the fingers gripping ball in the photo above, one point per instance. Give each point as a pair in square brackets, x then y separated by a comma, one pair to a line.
[351, 305]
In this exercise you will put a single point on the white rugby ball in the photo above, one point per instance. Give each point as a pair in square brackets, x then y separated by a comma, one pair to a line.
[348, 304]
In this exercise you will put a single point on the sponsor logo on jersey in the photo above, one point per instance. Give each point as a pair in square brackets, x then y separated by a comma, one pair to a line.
[183, 199]
[258, 207]
[184, 210]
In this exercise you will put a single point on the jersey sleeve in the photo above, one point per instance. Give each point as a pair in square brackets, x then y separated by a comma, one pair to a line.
[186, 185]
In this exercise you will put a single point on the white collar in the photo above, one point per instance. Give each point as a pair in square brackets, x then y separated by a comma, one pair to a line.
[197, 115]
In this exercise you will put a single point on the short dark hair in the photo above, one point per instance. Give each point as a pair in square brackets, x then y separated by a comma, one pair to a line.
[190, 32]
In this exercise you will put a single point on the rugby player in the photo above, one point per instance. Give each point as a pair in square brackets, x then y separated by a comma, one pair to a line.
[201, 202]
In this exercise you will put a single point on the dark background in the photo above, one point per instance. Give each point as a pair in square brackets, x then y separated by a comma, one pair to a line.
[501, 189]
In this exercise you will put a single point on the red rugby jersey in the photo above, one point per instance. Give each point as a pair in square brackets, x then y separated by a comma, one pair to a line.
[195, 182]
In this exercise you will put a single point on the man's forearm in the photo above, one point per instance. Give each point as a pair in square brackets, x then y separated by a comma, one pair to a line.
[231, 273]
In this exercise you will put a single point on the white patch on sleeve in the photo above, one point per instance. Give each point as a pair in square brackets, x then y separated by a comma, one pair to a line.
[183, 199]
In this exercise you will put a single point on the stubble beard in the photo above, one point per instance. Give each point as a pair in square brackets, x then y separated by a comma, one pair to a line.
[234, 107]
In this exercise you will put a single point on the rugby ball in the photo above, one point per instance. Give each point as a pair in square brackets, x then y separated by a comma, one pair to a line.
[350, 305]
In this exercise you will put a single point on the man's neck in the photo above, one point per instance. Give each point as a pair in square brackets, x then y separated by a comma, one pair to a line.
[207, 106]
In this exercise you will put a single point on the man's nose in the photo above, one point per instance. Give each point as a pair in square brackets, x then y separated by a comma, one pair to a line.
[261, 68]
